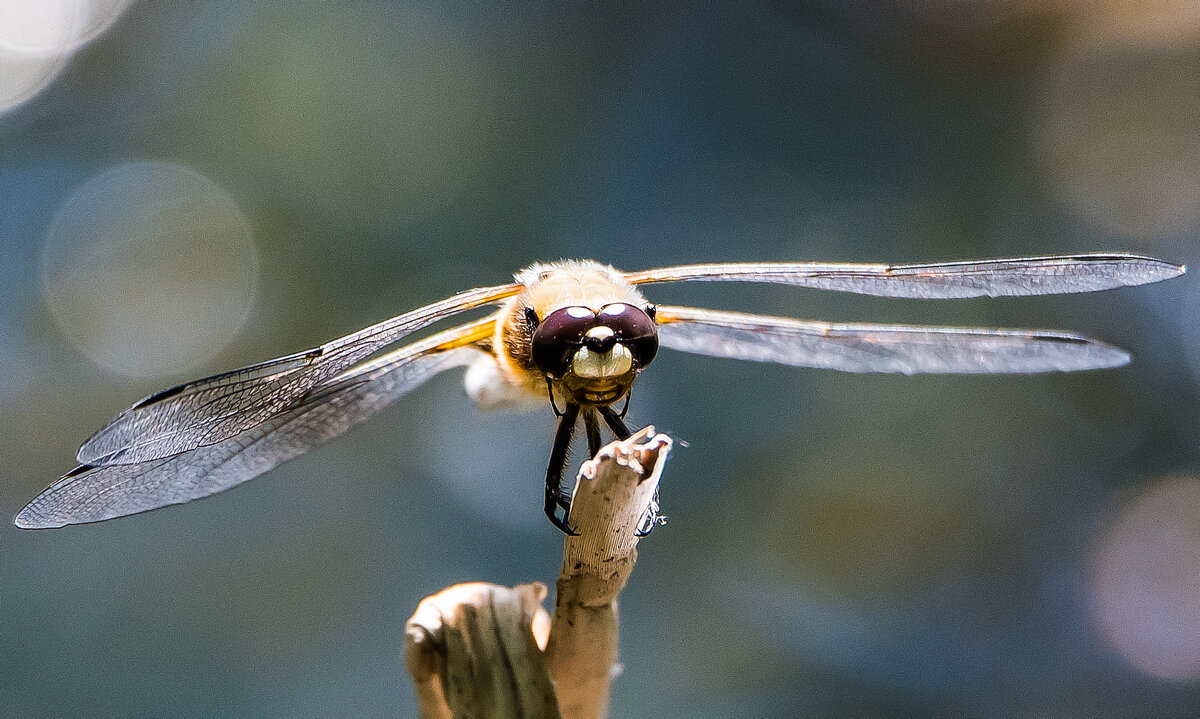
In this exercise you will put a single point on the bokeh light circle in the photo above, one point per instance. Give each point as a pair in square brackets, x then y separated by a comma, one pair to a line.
[25, 74]
[38, 37]
[149, 269]
[1146, 580]
[1142, 23]
[55, 26]
[1117, 134]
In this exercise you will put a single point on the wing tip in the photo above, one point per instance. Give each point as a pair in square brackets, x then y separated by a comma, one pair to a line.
[90, 458]
[1119, 358]
[30, 518]
[33, 516]
[1172, 269]
[1103, 354]
[1133, 269]
[1107, 356]
[1157, 270]
[88, 452]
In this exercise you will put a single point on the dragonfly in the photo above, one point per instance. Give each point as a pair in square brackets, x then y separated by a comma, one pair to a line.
[572, 336]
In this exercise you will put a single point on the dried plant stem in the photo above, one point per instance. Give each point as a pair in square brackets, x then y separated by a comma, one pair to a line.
[471, 652]
[481, 650]
[611, 498]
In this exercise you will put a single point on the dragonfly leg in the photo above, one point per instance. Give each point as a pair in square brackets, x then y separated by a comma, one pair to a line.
[550, 390]
[591, 423]
[652, 518]
[555, 499]
[615, 423]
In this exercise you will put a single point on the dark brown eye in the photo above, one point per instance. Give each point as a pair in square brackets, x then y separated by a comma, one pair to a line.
[558, 336]
[634, 328]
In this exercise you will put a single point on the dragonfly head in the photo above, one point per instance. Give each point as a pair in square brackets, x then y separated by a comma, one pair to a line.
[594, 355]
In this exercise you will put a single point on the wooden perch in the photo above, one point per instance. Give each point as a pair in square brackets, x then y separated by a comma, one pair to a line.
[612, 496]
[472, 652]
[476, 650]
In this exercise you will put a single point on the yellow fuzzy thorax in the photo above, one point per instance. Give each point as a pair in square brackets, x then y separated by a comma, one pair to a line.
[584, 283]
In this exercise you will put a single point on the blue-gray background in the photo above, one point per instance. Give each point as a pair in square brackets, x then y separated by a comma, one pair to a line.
[838, 544]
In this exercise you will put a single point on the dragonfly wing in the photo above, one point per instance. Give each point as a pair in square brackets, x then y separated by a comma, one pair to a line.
[91, 493]
[984, 278]
[880, 348]
[216, 408]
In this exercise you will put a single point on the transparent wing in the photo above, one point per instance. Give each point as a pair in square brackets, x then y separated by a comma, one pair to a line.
[91, 493]
[880, 348]
[983, 278]
[211, 410]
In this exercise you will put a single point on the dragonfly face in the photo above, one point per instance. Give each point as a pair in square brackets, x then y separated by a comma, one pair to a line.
[576, 333]
[593, 355]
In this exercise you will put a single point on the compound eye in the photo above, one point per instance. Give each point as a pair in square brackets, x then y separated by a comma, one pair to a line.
[634, 328]
[627, 321]
[558, 336]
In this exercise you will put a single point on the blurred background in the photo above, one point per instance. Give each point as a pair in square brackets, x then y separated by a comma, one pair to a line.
[192, 186]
